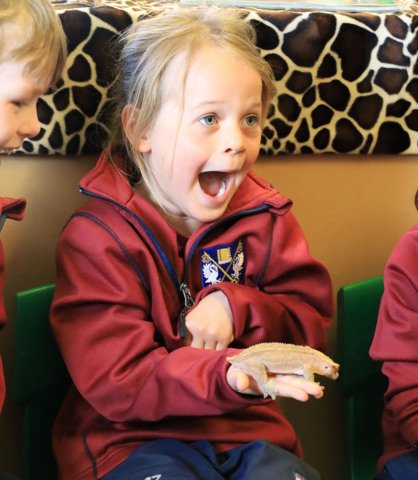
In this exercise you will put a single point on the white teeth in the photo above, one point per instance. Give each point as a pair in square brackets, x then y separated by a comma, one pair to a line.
[222, 189]
[6, 151]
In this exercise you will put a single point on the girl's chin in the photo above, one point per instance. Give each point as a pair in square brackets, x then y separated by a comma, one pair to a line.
[208, 215]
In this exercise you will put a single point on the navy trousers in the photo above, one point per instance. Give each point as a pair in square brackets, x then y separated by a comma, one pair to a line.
[171, 459]
[402, 467]
[383, 475]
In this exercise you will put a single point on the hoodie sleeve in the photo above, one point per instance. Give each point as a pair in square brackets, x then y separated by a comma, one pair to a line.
[9, 208]
[115, 341]
[292, 301]
[13, 209]
[396, 337]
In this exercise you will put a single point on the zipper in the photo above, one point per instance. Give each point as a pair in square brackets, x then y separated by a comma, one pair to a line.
[188, 302]
[242, 213]
[185, 296]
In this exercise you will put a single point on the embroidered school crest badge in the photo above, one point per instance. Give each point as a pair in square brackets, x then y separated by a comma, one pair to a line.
[223, 263]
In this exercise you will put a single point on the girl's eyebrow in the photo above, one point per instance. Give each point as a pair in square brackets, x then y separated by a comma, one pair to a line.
[205, 103]
[256, 105]
[210, 103]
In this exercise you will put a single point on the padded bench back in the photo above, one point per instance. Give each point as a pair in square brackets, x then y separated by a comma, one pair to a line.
[346, 82]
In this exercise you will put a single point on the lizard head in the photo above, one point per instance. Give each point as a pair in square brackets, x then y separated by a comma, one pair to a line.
[331, 370]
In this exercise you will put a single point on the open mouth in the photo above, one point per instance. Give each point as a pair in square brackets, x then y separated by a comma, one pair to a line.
[214, 183]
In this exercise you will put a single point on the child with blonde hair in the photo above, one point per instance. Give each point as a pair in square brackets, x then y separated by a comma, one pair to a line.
[182, 258]
[32, 56]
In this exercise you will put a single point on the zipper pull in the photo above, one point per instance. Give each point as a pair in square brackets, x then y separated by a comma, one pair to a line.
[188, 303]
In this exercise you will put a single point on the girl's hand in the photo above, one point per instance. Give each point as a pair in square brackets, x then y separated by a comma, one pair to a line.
[291, 386]
[210, 323]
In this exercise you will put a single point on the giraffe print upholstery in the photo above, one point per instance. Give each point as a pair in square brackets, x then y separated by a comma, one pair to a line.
[346, 82]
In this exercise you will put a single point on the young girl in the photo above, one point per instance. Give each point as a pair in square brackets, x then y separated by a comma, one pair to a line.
[181, 258]
[32, 56]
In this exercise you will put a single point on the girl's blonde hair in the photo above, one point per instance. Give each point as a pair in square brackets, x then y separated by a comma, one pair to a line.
[149, 47]
[30, 31]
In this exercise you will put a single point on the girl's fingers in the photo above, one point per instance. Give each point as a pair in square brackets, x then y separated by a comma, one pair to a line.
[287, 390]
[197, 343]
[242, 381]
[298, 383]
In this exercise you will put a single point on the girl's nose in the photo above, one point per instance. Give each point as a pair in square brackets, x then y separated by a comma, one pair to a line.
[234, 140]
[30, 126]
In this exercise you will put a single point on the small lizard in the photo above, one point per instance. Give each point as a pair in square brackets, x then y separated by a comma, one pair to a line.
[264, 359]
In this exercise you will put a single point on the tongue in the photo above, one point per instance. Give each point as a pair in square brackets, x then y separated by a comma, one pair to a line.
[212, 182]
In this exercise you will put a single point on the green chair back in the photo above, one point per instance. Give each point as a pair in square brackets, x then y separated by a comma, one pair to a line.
[361, 381]
[40, 380]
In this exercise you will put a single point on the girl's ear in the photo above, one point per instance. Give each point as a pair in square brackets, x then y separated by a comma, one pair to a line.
[130, 116]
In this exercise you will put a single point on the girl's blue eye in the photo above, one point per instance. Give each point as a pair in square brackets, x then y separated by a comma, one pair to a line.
[251, 120]
[208, 120]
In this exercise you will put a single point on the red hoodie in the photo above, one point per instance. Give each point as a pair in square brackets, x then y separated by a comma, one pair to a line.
[9, 208]
[396, 344]
[116, 309]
